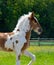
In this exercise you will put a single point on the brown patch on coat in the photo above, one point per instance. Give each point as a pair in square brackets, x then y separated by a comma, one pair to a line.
[10, 50]
[11, 38]
[18, 30]
[16, 41]
[3, 38]
[19, 57]
[10, 33]
[13, 45]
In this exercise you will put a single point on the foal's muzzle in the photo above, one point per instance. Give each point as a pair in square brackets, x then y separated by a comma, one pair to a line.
[39, 31]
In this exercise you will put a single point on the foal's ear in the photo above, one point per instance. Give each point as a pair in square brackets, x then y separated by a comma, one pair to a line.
[31, 15]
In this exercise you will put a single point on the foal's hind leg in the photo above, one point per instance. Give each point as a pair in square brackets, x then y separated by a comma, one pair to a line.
[27, 53]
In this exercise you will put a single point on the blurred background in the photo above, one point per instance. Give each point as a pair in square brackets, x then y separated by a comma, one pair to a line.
[11, 10]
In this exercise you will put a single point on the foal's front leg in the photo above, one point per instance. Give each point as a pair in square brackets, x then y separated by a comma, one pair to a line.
[18, 57]
[27, 53]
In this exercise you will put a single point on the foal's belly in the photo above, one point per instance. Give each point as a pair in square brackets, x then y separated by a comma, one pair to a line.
[5, 49]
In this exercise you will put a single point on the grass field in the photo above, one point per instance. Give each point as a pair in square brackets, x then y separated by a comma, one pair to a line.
[44, 56]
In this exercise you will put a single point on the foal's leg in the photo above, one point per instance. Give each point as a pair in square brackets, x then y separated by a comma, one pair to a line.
[17, 60]
[27, 53]
[18, 57]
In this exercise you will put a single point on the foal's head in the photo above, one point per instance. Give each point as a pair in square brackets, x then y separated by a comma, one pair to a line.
[34, 23]
[28, 22]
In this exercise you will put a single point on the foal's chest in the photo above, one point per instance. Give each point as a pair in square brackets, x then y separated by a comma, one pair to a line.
[28, 41]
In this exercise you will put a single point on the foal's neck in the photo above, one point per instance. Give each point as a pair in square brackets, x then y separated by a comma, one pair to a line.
[28, 35]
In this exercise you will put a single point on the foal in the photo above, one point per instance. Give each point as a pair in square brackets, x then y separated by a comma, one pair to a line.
[18, 40]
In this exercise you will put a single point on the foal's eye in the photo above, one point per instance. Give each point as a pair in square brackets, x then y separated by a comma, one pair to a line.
[34, 22]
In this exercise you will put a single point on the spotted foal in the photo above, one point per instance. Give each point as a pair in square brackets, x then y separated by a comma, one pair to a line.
[18, 40]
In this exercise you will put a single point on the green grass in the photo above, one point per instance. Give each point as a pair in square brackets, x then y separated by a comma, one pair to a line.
[44, 56]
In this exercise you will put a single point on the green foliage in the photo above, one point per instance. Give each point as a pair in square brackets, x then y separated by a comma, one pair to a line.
[11, 10]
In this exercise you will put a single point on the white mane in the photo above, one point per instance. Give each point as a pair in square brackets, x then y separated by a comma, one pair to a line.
[23, 23]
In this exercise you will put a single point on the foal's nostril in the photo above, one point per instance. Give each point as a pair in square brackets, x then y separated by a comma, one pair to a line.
[39, 30]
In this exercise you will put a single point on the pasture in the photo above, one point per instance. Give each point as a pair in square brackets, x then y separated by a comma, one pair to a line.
[44, 56]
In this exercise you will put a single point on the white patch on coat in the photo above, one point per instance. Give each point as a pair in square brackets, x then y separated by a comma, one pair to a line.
[18, 36]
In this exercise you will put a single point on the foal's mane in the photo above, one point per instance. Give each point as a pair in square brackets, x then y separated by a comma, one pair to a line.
[21, 20]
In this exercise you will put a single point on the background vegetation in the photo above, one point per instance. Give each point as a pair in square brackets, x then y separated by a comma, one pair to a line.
[11, 10]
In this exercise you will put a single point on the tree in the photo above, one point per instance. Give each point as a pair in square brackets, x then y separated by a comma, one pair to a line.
[11, 10]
